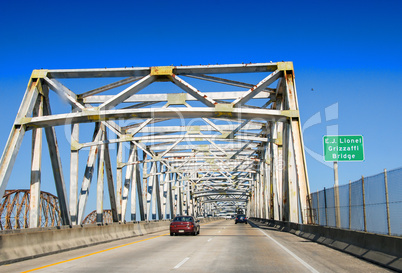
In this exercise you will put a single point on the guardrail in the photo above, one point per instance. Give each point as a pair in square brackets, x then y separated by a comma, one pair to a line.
[379, 249]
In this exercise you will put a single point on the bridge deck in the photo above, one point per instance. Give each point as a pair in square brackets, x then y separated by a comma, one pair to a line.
[222, 246]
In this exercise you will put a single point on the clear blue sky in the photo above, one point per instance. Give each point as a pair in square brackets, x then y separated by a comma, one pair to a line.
[348, 52]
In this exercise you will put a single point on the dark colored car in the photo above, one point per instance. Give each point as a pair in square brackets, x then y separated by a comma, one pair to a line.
[241, 218]
[184, 225]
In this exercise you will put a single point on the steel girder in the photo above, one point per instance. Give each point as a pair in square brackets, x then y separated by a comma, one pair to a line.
[185, 151]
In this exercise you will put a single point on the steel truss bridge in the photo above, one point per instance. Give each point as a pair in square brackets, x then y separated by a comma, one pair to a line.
[185, 139]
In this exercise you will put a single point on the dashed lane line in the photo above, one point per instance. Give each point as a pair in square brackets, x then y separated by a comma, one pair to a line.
[181, 263]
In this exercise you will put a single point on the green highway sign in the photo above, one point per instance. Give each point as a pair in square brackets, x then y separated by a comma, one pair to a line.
[343, 148]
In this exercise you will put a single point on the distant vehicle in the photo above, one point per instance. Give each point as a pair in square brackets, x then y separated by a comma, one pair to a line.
[184, 225]
[228, 217]
[241, 218]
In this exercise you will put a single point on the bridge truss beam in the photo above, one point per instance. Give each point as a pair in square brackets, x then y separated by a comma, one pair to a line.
[176, 152]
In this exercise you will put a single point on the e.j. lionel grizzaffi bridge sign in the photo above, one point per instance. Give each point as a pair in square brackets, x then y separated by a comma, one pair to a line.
[343, 148]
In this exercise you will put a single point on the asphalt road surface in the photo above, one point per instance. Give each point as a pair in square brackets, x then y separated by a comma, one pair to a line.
[222, 246]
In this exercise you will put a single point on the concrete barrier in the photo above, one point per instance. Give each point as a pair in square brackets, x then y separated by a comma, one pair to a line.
[380, 249]
[23, 244]
[17, 245]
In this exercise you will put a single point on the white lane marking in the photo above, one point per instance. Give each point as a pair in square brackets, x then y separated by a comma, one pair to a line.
[309, 267]
[210, 239]
[181, 263]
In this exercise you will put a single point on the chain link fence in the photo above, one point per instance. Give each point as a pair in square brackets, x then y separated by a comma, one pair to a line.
[371, 204]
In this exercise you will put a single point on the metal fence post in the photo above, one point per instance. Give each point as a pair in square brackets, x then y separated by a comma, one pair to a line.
[387, 200]
[350, 204]
[364, 205]
[325, 205]
[318, 207]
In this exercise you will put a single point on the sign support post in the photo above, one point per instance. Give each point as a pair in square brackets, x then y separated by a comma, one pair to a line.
[342, 148]
[336, 195]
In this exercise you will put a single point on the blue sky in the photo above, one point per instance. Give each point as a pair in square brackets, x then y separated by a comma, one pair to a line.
[348, 52]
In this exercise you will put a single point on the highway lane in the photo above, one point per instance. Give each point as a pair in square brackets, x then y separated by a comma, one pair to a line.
[222, 246]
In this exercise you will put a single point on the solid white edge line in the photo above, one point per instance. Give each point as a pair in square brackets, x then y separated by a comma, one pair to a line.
[309, 267]
[181, 263]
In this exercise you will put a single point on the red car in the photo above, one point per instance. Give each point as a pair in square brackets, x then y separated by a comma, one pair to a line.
[184, 225]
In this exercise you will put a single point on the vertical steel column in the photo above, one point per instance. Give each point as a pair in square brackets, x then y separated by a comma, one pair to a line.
[170, 197]
[164, 195]
[295, 206]
[278, 160]
[100, 182]
[267, 172]
[179, 196]
[255, 195]
[151, 195]
[34, 202]
[133, 195]
[263, 191]
[110, 183]
[127, 182]
[119, 177]
[74, 161]
[145, 185]
[286, 181]
[302, 184]
[175, 195]
[138, 183]
[157, 192]
[186, 193]
[387, 200]
[275, 213]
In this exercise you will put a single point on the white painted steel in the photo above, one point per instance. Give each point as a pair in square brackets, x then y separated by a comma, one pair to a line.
[210, 149]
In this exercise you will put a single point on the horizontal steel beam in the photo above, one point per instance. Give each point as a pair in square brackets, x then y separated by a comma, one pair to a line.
[214, 192]
[224, 95]
[96, 115]
[224, 200]
[178, 70]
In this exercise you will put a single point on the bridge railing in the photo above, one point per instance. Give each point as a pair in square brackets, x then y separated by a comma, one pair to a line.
[371, 204]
